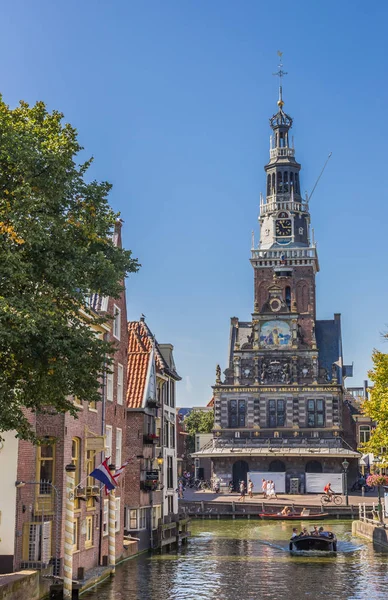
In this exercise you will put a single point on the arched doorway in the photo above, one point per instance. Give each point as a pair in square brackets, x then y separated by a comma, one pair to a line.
[277, 466]
[313, 466]
[240, 472]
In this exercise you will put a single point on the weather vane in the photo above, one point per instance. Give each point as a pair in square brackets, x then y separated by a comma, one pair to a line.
[280, 74]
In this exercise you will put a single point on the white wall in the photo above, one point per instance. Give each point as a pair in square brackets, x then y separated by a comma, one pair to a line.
[315, 482]
[8, 470]
[279, 480]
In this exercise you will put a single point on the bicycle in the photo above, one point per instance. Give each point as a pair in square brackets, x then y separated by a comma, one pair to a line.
[335, 498]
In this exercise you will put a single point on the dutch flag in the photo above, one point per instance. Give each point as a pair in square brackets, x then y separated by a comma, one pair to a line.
[103, 474]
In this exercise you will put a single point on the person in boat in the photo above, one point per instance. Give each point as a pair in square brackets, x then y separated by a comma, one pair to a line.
[294, 533]
[286, 511]
[325, 533]
[315, 530]
[304, 531]
[305, 512]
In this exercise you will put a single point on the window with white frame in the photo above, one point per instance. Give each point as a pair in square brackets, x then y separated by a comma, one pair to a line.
[364, 433]
[142, 518]
[119, 443]
[109, 385]
[116, 322]
[108, 441]
[117, 514]
[133, 518]
[120, 383]
[105, 518]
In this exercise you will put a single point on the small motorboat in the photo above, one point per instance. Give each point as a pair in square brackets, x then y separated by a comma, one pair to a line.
[325, 543]
[293, 516]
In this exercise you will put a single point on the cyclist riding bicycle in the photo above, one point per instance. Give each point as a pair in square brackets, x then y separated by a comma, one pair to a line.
[327, 490]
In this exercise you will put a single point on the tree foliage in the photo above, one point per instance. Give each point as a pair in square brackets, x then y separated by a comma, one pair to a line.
[199, 421]
[376, 406]
[55, 248]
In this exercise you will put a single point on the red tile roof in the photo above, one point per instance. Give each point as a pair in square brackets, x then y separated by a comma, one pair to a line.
[140, 344]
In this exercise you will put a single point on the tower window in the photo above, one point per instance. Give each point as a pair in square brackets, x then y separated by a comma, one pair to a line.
[273, 183]
[315, 413]
[291, 178]
[285, 182]
[268, 185]
[237, 413]
[288, 296]
[276, 413]
[297, 189]
[280, 183]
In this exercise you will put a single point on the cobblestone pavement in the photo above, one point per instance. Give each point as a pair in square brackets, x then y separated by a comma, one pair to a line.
[355, 498]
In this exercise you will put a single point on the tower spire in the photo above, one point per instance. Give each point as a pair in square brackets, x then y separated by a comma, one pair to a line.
[280, 73]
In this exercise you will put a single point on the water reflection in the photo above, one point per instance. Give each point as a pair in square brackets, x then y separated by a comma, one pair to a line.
[249, 560]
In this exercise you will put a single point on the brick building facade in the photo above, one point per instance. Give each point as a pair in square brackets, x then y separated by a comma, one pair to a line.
[98, 432]
[150, 481]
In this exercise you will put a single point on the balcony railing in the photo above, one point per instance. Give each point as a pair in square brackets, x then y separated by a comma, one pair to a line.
[274, 206]
[279, 152]
[150, 438]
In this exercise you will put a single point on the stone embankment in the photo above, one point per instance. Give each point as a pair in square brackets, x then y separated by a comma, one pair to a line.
[374, 532]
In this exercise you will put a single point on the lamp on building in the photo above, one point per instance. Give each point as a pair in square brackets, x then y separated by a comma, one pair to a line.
[345, 466]
[20, 484]
[159, 459]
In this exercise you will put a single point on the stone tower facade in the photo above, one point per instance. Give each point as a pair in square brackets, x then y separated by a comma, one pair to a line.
[281, 400]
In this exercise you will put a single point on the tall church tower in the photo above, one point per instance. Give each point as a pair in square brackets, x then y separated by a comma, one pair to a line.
[279, 410]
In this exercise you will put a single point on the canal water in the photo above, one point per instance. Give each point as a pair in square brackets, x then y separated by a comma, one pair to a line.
[249, 560]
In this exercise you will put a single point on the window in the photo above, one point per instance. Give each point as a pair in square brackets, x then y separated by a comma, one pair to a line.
[133, 518]
[170, 474]
[75, 534]
[105, 518]
[172, 435]
[119, 442]
[45, 469]
[108, 441]
[120, 383]
[117, 514]
[237, 413]
[89, 467]
[109, 385]
[156, 515]
[170, 504]
[165, 435]
[77, 401]
[172, 393]
[89, 532]
[142, 518]
[116, 322]
[276, 413]
[92, 405]
[315, 413]
[364, 433]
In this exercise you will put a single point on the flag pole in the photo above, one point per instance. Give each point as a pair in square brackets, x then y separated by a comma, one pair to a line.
[69, 533]
[112, 528]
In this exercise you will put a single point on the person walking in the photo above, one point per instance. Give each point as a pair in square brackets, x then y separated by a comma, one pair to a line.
[250, 488]
[264, 488]
[242, 491]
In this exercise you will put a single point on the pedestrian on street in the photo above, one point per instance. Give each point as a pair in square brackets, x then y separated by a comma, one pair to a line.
[264, 488]
[180, 489]
[242, 491]
[250, 488]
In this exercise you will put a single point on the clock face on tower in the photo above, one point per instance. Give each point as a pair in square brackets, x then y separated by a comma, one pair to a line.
[283, 227]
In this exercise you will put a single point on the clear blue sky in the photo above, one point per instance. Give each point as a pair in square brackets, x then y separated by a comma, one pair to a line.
[173, 98]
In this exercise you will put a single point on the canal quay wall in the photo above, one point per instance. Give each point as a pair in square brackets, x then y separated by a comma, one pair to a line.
[374, 532]
[234, 509]
[23, 585]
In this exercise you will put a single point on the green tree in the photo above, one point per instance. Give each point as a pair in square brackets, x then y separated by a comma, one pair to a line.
[199, 421]
[55, 247]
[376, 406]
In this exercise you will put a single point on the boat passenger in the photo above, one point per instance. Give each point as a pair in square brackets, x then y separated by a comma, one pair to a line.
[315, 530]
[294, 533]
[324, 533]
[304, 531]
[305, 512]
[286, 511]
